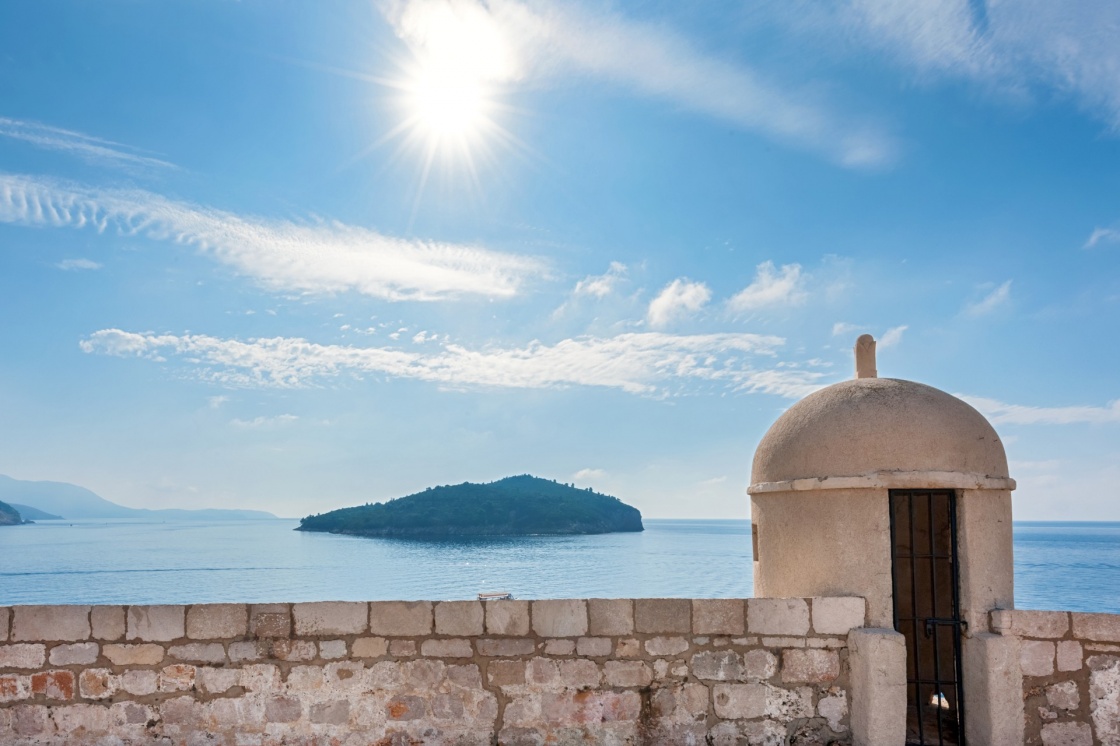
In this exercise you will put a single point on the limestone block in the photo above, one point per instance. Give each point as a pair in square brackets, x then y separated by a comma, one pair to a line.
[1063, 695]
[248, 650]
[145, 654]
[777, 616]
[156, 623]
[80, 720]
[877, 659]
[24, 655]
[834, 709]
[720, 665]
[293, 650]
[810, 666]
[50, 623]
[993, 679]
[454, 648]
[628, 648]
[594, 647]
[718, 616]
[270, 620]
[261, 678]
[98, 683]
[627, 673]
[461, 618]
[5, 615]
[75, 654]
[216, 680]
[331, 618]
[283, 709]
[504, 647]
[330, 713]
[838, 615]
[507, 617]
[217, 621]
[332, 649]
[400, 618]
[30, 720]
[211, 652]
[1067, 734]
[663, 615]
[107, 622]
[560, 618]
[559, 647]
[403, 648]
[578, 673]
[611, 616]
[178, 677]
[505, 673]
[369, 647]
[765, 732]
[14, 687]
[1027, 623]
[1036, 657]
[139, 683]
[1104, 697]
[787, 705]
[666, 645]
[53, 684]
[542, 672]
[1099, 627]
[1069, 655]
[739, 701]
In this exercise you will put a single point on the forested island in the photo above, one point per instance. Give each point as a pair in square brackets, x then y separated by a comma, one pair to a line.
[514, 506]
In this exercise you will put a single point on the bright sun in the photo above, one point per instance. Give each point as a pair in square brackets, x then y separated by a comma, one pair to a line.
[448, 105]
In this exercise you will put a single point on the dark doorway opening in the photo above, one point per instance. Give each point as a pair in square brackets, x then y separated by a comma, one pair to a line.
[927, 612]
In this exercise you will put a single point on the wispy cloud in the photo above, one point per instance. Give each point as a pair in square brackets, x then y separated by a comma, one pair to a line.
[77, 264]
[990, 302]
[264, 422]
[843, 328]
[892, 336]
[771, 287]
[1102, 235]
[322, 257]
[543, 39]
[87, 147]
[600, 286]
[589, 475]
[679, 298]
[650, 363]
[1018, 414]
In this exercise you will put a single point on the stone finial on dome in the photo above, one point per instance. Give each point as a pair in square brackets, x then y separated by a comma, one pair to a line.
[865, 357]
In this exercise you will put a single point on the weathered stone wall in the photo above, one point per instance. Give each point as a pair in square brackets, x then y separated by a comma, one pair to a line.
[1071, 675]
[655, 671]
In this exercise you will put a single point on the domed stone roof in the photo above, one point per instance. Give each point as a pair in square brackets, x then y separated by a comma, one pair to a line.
[878, 426]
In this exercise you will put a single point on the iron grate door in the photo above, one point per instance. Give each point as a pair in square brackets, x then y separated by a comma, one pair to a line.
[927, 612]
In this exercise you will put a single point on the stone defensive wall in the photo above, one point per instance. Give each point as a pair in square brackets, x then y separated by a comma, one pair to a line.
[598, 671]
[1070, 665]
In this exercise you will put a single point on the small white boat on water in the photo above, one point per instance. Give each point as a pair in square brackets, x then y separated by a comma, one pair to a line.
[496, 596]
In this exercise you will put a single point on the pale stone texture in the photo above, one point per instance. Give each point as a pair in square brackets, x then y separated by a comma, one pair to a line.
[777, 616]
[331, 618]
[1067, 734]
[1063, 695]
[459, 618]
[403, 648]
[133, 655]
[559, 647]
[400, 618]
[51, 623]
[23, 655]
[504, 647]
[627, 673]
[993, 680]
[1104, 697]
[217, 621]
[1069, 655]
[838, 616]
[1098, 627]
[561, 618]
[107, 623]
[663, 615]
[739, 701]
[611, 616]
[156, 623]
[877, 659]
[203, 652]
[507, 617]
[369, 647]
[594, 647]
[332, 649]
[1037, 657]
[810, 666]
[139, 683]
[834, 709]
[98, 683]
[1024, 623]
[455, 648]
[75, 654]
[270, 620]
[217, 680]
[5, 615]
[718, 616]
[247, 651]
[666, 645]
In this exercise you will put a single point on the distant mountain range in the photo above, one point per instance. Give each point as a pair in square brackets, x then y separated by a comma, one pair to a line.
[69, 501]
[9, 516]
[515, 506]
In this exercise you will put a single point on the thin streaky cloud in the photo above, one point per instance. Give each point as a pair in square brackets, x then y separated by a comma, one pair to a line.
[322, 257]
[892, 336]
[771, 287]
[1018, 414]
[86, 147]
[649, 363]
[1102, 235]
[264, 422]
[990, 302]
[600, 286]
[544, 40]
[842, 328]
[77, 264]
[681, 297]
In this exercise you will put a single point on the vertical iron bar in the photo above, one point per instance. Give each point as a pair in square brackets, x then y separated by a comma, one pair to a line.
[957, 652]
[914, 622]
[933, 611]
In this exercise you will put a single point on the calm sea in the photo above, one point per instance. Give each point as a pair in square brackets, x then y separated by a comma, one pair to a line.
[1057, 565]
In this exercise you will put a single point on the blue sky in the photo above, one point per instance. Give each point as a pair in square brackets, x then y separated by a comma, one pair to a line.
[272, 255]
